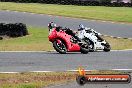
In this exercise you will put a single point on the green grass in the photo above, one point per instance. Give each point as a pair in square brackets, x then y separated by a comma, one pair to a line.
[88, 12]
[119, 43]
[35, 80]
[41, 80]
[37, 40]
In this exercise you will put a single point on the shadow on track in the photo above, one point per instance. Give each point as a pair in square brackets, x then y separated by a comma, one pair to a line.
[54, 52]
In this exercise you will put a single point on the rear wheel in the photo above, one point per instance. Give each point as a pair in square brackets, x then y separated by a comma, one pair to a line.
[107, 47]
[59, 46]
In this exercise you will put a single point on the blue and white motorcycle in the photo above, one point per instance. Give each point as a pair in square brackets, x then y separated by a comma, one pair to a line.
[96, 42]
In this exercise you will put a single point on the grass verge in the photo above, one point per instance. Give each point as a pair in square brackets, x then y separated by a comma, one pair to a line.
[119, 43]
[34, 80]
[37, 40]
[40, 80]
[120, 14]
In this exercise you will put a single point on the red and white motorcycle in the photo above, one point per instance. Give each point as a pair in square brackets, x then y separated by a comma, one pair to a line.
[62, 42]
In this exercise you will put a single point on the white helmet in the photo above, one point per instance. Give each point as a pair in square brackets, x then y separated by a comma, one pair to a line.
[81, 27]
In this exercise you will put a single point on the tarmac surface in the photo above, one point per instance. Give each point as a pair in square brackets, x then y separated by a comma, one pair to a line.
[53, 61]
[107, 28]
[93, 85]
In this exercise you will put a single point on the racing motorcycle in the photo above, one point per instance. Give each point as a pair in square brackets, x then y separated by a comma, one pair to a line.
[96, 42]
[63, 43]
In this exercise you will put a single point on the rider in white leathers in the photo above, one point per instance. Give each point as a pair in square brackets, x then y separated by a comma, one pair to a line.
[90, 33]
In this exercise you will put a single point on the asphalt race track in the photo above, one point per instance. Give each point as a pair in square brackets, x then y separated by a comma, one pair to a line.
[75, 85]
[107, 28]
[53, 61]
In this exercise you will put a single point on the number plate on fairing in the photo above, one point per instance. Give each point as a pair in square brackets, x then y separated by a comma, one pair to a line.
[98, 48]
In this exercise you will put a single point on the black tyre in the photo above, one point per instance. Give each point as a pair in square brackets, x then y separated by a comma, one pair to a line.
[84, 48]
[60, 47]
[1, 38]
[81, 80]
[90, 44]
[107, 47]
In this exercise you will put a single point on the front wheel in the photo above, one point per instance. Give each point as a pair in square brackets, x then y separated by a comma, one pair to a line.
[84, 48]
[59, 46]
[107, 48]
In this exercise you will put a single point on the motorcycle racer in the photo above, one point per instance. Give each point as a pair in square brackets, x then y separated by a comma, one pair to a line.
[72, 33]
[95, 41]
[90, 33]
[67, 30]
[63, 42]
